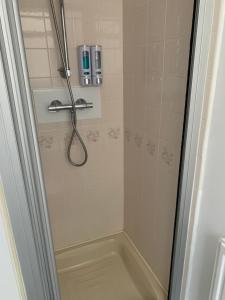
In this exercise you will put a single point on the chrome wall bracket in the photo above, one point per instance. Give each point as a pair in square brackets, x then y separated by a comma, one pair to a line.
[80, 104]
[64, 73]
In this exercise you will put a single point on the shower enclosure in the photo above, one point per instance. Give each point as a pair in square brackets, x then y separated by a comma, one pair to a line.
[112, 218]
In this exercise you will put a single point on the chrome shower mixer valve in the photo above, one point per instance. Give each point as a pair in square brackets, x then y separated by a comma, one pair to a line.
[56, 105]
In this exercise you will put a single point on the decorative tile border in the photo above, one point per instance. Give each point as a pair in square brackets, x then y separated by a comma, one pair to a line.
[151, 147]
[114, 133]
[93, 136]
[167, 156]
[138, 139]
[67, 138]
[46, 142]
[127, 135]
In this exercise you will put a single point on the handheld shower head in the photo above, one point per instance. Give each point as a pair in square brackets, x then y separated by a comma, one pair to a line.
[65, 72]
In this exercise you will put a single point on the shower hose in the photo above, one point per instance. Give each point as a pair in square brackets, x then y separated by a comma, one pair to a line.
[75, 132]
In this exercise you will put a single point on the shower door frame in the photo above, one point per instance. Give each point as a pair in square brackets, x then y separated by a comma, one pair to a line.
[198, 66]
[20, 165]
[21, 119]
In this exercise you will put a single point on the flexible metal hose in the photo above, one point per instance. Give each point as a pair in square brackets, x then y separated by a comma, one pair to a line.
[75, 132]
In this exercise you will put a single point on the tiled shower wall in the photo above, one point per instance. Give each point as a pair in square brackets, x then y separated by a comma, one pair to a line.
[156, 50]
[84, 203]
[87, 203]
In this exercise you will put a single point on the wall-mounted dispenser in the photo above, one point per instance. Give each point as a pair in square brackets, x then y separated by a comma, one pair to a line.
[96, 65]
[85, 65]
[90, 63]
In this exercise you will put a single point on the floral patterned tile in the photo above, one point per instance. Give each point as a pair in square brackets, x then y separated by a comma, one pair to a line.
[167, 156]
[138, 140]
[151, 147]
[67, 139]
[46, 142]
[127, 135]
[114, 133]
[93, 136]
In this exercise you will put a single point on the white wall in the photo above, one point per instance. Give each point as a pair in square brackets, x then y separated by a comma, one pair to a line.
[209, 218]
[11, 284]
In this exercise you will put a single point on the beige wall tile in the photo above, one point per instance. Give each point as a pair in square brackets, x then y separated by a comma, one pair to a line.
[38, 63]
[38, 83]
[157, 19]
[55, 62]
[154, 99]
[34, 32]
[58, 82]
[179, 18]
[84, 203]
[32, 7]
[112, 61]
[112, 89]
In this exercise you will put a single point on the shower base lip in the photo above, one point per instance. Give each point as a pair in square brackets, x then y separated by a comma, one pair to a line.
[92, 259]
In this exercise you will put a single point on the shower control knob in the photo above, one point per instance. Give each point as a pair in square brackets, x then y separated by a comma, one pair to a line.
[81, 103]
[54, 105]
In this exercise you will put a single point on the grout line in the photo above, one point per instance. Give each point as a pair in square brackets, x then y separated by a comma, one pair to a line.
[162, 93]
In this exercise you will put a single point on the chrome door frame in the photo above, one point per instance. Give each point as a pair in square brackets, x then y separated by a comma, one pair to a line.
[20, 166]
[192, 124]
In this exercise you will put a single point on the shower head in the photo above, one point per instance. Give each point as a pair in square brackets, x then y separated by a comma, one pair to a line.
[65, 70]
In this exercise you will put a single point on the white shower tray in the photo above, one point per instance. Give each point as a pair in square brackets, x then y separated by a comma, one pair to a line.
[106, 269]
